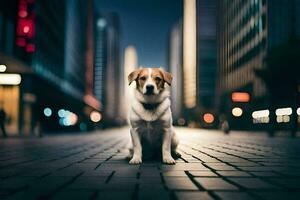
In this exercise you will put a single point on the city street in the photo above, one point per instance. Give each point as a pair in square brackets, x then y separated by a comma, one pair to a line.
[95, 166]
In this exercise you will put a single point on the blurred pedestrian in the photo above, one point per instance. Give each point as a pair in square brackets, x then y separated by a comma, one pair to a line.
[2, 121]
[224, 124]
[225, 127]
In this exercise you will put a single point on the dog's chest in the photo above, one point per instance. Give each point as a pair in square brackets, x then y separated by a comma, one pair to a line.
[150, 127]
[151, 131]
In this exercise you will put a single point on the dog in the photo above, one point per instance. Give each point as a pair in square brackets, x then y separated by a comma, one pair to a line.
[150, 117]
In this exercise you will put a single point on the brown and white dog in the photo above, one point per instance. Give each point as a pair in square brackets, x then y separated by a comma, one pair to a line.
[150, 117]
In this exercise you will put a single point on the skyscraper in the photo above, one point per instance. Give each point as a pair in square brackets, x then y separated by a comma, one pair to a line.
[175, 65]
[206, 54]
[107, 74]
[199, 57]
[189, 53]
[130, 64]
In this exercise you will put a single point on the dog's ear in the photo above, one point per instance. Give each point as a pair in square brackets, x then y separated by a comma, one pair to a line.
[167, 76]
[133, 76]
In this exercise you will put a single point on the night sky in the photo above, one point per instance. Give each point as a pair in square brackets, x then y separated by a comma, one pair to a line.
[145, 24]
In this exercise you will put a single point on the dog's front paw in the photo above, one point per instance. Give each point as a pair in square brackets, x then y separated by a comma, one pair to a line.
[169, 160]
[135, 160]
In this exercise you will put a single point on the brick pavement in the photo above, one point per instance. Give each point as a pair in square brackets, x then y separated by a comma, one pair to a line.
[94, 166]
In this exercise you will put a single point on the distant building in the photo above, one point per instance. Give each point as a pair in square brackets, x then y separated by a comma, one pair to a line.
[199, 58]
[189, 54]
[248, 30]
[130, 64]
[176, 69]
[206, 55]
[44, 42]
[107, 70]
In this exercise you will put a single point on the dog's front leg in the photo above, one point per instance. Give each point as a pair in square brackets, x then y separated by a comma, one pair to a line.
[166, 147]
[137, 147]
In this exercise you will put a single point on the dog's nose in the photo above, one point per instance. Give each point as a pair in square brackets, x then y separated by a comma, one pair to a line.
[149, 88]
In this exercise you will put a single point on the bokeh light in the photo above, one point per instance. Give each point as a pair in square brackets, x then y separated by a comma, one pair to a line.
[237, 112]
[47, 112]
[95, 116]
[208, 118]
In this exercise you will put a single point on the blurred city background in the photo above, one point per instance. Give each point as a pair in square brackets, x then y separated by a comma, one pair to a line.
[64, 63]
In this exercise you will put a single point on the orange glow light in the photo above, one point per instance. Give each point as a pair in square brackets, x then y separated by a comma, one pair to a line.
[208, 118]
[240, 97]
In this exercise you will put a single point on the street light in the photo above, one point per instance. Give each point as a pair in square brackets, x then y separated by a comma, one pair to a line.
[95, 116]
[237, 112]
[208, 118]
[284, 111]
[10, 79]
[3, 68]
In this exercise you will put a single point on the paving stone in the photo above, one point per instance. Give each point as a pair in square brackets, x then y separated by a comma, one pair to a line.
[73, 194]
[150, 186]
[220, 166]
[115, 194]
[278, 195]
[151, 172]
[30, 194]
[95, 173]
[252, 183]
[244, 164]
[193, 195]
[87, 183]
[264, 168]
[179, 183]
[150, 180]
[203, 173]
[126, 173]
[153, 193]
[16, 182]
[234, 195]
[71, 172]
[215, 184]
[233, 173]
[174, 173]
[184, 166]
[265, 174]
[290, 183]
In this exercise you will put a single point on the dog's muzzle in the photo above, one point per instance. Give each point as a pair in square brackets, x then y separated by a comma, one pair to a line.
[149, 90]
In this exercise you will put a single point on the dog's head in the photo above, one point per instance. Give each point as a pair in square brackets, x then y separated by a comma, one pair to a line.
[150, 81]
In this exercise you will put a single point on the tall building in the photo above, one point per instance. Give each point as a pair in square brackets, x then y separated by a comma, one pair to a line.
[90, 97]
[175, 66]
[206, 54]
[46, 48]
[189, 54]
[107, 74]
[199, 58]
[248, 31]
[130, 64]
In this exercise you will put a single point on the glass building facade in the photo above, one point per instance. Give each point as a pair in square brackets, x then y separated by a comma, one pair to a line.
[248, 30]
[45, 44]
[176, 69]
[206, 54]
[107, 71]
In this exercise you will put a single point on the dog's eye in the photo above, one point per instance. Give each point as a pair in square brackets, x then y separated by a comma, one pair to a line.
[157, 78]
[143, 78]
